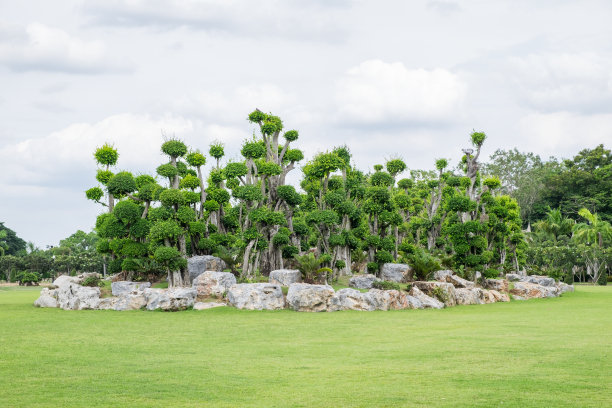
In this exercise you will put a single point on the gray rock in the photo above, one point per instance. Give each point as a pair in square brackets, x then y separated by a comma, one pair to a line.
[500, 285]
[214, 284]
[564, 287]
[207, 305]
[285, 277]
[197, 265]
[459, 282]
[46, 299]
[171, 299]
[64, 280]
[488, 296]
[441, 275]
[256, 296]
[528, 290]
[539, 280]
[513, 277]
[375, 299]
[107, 303]
[130, 301]
[430, 288]
[303, 297]
[124, 287]
[363, 281]
[467, 296]
[427, 302]
[393, 272]
[72, 296]
[351, 299]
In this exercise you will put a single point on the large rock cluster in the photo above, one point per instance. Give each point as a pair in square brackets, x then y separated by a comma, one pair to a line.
[214, 289]
[68, 293]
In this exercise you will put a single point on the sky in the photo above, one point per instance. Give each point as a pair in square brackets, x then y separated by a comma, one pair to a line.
[390, 79]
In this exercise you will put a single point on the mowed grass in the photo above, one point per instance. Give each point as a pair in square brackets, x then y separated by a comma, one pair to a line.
[538, 353]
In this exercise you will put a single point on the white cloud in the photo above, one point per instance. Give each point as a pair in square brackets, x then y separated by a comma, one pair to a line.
[65, 158]
[377, 92]
[315, 19]
[38, 47]
[564, 81]
[563, 132]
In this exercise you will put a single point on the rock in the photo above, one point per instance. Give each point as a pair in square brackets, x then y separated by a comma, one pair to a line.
[500, 285]
[441, 275]
[499, 296]
[285, 277]
[72, 296]
[207, 305]
[107, 303]
[363, 281]
[46, 299]
[459, 282]
[539, 280]
[389, 299]
[414, 303]
[467, 296]
[171, 299]
[487, 296]
[528, 290]
[513, 277]
[351, 299]
[393, 272]
[130, 301]
[446, 291]
[564, 287]
[477, 276]
[303, 297]
[426, 301]
[63, 280]
[197, 265]
[124, 287]
[256, 296]
[212, 283]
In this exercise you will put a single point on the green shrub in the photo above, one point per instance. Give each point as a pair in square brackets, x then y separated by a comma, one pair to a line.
[373, 267]
[92, 281]
[490, 273]
[440, 294]
[603, 279]
[385, 285]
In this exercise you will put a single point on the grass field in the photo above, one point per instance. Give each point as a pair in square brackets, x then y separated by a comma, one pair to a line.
[538, 353]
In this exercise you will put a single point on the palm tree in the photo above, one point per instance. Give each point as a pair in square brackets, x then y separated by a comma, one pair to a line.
[593, 235]
[593, 232]
[3, 244]
[555, 225]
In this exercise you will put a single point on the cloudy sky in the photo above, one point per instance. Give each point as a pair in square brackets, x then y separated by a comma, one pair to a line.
[407, 79]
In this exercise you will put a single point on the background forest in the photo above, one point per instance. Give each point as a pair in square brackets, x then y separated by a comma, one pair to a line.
[511, 212]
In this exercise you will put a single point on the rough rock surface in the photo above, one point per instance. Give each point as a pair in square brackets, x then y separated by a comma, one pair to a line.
[564, 287]
[539, 280]
[528, 290]
[499, 296]
[211, 283]
[124, 287]
[363, 281]
[207, 305]
[459, 282]
[351, 299]
[441, 275]
[393, 272]
[256, 296]
[487, 296]
[500, 285]
[46, 299]
[285, 277]
[197, 265]
[72, 296]
[449, 297]
[427, 302]
[171, 299]
[465, 296]
[513, 277]
[303, 297]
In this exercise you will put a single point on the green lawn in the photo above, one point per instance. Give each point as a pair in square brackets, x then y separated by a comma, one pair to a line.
[538, 353]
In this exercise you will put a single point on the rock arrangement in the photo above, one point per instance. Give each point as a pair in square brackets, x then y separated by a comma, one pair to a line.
[217, 289]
